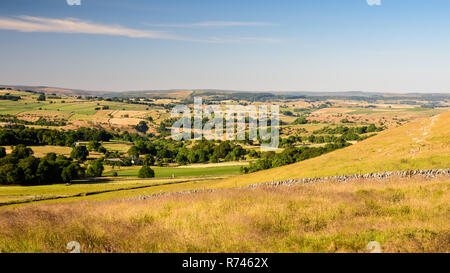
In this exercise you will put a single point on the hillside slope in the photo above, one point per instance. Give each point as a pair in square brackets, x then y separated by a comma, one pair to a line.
[402, 214]
[423, 144]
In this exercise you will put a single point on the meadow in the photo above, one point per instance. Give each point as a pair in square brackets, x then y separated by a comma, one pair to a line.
[402, 214]
[125, 184]
[177, 172]
[100, 189]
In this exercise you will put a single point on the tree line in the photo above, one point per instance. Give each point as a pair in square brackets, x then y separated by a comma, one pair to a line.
[9, 97]
[162, 151]
[41, 121]
[20, 167]
[289, 155]
[32, 136]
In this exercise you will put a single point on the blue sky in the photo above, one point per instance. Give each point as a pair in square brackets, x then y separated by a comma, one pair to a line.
[282, 45]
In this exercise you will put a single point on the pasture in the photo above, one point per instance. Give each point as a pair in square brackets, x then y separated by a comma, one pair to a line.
[403, 214]
[78, 189]
[177, 172]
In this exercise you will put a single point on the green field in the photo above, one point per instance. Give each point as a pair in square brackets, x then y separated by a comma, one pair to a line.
[74, 109]
[179, 172]
[122, 186]
[15, 107]
[117, 186]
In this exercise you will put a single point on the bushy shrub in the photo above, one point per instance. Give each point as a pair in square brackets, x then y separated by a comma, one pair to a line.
[146, 172]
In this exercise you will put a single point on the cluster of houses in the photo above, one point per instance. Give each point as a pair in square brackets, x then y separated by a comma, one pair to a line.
[134, 160]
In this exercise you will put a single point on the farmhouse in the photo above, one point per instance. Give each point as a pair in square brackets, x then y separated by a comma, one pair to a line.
[114, 160]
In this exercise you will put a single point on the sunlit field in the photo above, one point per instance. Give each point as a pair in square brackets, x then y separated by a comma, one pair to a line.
[403, 214]
[178, 172]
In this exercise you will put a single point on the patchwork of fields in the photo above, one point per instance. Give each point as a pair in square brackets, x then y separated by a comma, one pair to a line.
[106, 213]
[404, 215]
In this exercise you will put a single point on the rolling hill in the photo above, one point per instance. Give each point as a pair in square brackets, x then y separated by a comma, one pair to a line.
[51, 90]
[423, 144]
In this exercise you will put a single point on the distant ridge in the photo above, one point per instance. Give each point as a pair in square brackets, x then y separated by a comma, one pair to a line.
[168, 92]
[51, 90]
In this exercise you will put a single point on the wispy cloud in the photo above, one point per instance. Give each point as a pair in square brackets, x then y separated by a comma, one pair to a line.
[234, 40]
[77, 26]
[73, 25]
[215, 24]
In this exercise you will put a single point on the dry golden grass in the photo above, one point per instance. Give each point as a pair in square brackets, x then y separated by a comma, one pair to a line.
[404, 215]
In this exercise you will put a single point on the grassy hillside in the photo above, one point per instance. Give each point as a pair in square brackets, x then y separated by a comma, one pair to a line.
[116, 189]
[423, 144]
[419, 145]
[404, 215]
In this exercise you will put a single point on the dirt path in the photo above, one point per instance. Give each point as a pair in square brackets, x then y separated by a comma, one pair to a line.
[422, 133]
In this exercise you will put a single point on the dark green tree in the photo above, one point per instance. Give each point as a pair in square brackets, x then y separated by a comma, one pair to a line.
[214, 159]
[142, 127]
[134, 151]
[192, 156]
[202, 155]
[79, 153]
[9, 174]
[149, 160]
[102, 150]
[237, 153]
[41, 97]
[181, 159]
[93, 145]
[146, 172]
[48, 172]
[29, 168]
[21, 151]
[72, 172]
[222, 150]
[300, 120]
[95, 169]
[50, 156]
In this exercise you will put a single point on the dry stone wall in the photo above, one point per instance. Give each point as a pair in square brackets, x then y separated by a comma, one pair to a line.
[339, 178]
